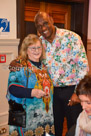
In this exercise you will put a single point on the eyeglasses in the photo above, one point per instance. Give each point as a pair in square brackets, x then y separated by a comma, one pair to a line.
[35, 48]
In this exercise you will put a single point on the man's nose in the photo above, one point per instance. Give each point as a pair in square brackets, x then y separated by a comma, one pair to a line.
[43, 27]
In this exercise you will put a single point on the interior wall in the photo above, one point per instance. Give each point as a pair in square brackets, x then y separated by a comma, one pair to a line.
[9, 48]
[8, 11]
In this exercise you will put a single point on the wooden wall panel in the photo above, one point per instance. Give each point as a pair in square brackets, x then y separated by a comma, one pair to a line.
[30, 12]
[31, 9]
[89, 54]
[60, 13]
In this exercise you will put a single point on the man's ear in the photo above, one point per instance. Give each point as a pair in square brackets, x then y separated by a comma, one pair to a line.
[38, 34]
[51, 20]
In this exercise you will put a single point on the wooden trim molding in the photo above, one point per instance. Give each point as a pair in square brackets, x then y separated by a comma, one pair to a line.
[89, 54]
[89, 45]
[4, 118]
[75, 1]
[4, 128]
[89, 41]
[9, 42]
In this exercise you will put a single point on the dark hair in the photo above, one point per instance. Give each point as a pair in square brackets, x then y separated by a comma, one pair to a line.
[84, 86]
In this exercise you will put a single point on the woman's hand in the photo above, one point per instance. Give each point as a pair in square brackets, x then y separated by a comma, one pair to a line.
[38, 93]
[73, 100]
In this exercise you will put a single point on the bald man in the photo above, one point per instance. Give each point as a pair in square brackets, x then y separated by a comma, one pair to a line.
[67, 64]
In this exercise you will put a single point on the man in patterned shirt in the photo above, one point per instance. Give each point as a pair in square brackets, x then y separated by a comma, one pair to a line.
[67, 64]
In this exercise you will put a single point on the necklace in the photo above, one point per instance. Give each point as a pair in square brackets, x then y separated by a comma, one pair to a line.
[43, 82]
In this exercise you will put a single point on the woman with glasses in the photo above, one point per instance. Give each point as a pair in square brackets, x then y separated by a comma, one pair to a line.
[30, 87]
[83, 127]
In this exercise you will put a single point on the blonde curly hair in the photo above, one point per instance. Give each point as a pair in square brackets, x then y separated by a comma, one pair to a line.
[29, 40]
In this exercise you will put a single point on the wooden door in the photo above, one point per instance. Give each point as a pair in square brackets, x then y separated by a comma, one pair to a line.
[60, 13]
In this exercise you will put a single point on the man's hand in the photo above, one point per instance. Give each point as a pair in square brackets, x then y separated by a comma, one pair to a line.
[73, 100]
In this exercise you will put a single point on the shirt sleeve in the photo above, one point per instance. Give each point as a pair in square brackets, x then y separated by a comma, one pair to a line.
[17, 85]
[79, 56]
[20, 92]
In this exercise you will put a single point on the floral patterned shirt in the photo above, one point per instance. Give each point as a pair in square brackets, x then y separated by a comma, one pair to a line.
[66, 58]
